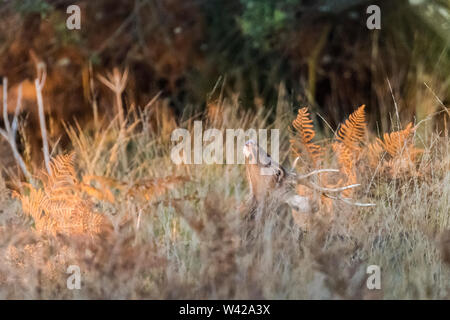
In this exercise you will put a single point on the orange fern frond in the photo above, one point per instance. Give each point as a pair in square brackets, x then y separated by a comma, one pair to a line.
[305, 134]
[401, 153]
[103, 194]
[104, 182]
[152, 188]
[344, 157]
[347, 147]
[32, 203]
[58, 207]
[62, 176]
[400, 147]
[374, 151]
[346, 160]
[395, 142]
[353, 130]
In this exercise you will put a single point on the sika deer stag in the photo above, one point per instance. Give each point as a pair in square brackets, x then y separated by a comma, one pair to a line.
[271, 183]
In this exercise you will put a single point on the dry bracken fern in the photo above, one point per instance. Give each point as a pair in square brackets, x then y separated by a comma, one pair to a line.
[348, 145]
[152, 188]
[58, 207]
[304, 135]
[397, 141]
[346, 160]
[353, 130]
[374, 151]
[143, 190]
[401, 153]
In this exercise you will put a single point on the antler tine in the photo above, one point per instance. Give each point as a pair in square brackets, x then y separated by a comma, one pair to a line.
[312, 173]
[294, 164]
[325, 189]
[347, 201]
[319, 188]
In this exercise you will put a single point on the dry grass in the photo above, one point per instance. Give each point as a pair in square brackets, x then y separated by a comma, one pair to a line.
[181, 231]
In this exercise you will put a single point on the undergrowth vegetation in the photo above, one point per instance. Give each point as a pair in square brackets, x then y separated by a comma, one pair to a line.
[139, 226]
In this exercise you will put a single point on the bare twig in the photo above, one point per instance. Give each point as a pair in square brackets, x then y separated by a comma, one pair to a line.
[116, 82]
[395, 105]
[93, 94]
[438, 99]
[10, 131]
[5, 104]
[39, 83]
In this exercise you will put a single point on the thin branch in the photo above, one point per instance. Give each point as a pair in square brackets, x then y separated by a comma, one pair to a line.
[395, 104]
[10, 132]
[152, 101]
[15, 123]
[4, 134]
[116, 82]
[5, 105]
[438, 99]
[39, 84]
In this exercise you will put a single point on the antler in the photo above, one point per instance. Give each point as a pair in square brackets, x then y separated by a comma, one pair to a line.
[262, 184]
[325, 189]
[302, 179]
[347, 201]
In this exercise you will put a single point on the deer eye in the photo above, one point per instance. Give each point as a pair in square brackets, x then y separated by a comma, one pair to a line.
[278, 174]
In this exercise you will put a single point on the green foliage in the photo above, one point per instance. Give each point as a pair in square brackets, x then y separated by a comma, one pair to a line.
[64, 35]
[436, 14]
[262, 19]
[25, 7]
